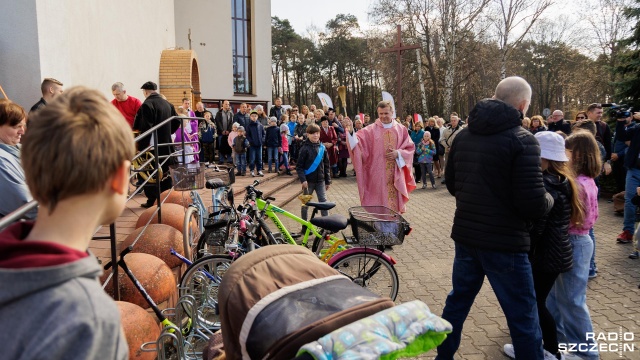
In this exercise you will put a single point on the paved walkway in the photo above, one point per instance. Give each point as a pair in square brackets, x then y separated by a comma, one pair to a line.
[426, 257]
[425, 262]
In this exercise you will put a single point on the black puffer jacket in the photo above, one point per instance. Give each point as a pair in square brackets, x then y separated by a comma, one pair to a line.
[551, 250]
[494, 172]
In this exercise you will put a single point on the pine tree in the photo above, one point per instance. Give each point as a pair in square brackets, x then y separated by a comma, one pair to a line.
[628, 88]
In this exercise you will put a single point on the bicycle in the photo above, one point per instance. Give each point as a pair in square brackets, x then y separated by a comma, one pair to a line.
[219, 181]
[188, 338]
[352, 256]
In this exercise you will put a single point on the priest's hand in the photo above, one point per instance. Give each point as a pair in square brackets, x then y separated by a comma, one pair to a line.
[391, 154]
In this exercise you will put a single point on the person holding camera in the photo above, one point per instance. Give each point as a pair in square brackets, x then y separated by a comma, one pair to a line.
[631, 135]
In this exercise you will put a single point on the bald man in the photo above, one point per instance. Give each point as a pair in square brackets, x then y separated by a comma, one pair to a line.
[494, 172]
[556, 122]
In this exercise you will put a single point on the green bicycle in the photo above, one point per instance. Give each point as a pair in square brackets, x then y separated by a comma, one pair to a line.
[359, 256]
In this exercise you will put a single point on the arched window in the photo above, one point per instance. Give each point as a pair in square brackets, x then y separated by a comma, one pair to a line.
[241, 30]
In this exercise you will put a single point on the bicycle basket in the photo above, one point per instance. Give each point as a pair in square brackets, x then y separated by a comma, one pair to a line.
[377, 225]
[187, 177]
[216, 226]
[227, 175]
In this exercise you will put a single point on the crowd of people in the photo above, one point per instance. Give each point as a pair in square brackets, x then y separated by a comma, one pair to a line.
[526, 190]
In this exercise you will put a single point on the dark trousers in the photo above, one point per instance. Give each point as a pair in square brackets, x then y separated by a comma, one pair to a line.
[619, 174]
[543, 282]
[510, 277]
[342, 166]
[151, 191]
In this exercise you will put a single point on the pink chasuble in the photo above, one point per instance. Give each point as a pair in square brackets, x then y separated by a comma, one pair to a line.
[381, 181]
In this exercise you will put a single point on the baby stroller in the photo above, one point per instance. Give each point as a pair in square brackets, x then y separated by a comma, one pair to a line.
[282, 302]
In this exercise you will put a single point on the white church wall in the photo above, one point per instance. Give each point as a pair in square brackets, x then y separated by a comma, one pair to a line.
[96, 43]
[210, 24]
[19, 53]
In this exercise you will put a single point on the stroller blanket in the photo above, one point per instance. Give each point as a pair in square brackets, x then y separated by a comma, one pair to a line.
[405, 330]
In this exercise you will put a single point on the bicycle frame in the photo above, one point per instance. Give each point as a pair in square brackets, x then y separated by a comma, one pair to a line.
[271, 212]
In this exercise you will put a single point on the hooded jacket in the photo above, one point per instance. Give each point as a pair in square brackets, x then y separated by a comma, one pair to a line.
[57, 311]
[494, 172]
[551, 250]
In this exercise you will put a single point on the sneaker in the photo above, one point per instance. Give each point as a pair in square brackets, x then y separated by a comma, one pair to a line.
[592, 273]
[509, 351]
[288, 172]
[433, 186]
[442, 182]
[550, 356]
[625, 237]
[634, 255]
[253, 174]
[260, 173]
[424, 186]
[417, 181]
[239, 173]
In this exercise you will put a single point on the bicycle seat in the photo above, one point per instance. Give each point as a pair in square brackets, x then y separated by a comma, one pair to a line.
[321, 205]
[214, 183]
[333, 223]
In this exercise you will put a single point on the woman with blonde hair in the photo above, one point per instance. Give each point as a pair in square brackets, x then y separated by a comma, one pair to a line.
[526, 123]
[537, 124]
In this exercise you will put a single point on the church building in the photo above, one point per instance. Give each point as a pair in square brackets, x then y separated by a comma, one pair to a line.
[204, 50]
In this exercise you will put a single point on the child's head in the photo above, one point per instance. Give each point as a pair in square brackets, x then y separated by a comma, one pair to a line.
[552, 148]
[273, 120]
[358, 124]
[313, 132]
[253, 115]
[182, 111]
[207, 114]
[284, 129]
[284, 118]
[89, 154]
[240, 130]
[301, 118]
[235, 126]
[584, 154]
[426, 137]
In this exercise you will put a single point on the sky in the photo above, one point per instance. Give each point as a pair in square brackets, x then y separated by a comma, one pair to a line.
[304, 13]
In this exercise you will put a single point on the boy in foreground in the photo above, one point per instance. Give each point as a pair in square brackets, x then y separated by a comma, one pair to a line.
[76, 162]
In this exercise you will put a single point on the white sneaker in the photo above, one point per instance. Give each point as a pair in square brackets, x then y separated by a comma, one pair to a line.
[253, 174]
[550, 356]
[260, 173]
[509, 351]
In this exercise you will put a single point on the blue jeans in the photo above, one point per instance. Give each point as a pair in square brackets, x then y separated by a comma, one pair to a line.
[272, 155]
[592, 263]
[241, 162]
[285, 159]
[567, 301]
[512, 281]
[255, 158]
[633, 181]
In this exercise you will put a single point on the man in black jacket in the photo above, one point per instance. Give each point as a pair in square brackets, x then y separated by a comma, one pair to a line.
[557, 123]
[155, 110]
[631, 135]
[494, 173]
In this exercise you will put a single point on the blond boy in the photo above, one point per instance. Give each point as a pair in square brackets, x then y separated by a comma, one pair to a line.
[76, 163]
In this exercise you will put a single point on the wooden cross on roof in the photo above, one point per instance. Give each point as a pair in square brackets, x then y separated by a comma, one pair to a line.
[398, 49]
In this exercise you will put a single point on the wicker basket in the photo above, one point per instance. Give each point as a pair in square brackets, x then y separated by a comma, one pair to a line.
[377, 226]
[187, 177]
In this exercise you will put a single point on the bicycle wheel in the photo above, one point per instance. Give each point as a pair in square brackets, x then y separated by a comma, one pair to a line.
[371, 271]
[201, 280]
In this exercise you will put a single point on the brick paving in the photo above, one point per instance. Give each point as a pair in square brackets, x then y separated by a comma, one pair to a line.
[425, 262]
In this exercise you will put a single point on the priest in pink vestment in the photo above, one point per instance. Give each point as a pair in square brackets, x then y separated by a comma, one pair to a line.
[382, 156]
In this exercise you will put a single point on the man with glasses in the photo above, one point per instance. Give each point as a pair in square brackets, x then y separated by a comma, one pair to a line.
[557, 122]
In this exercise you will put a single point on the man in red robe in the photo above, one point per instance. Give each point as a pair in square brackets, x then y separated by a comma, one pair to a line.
[382, 156]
